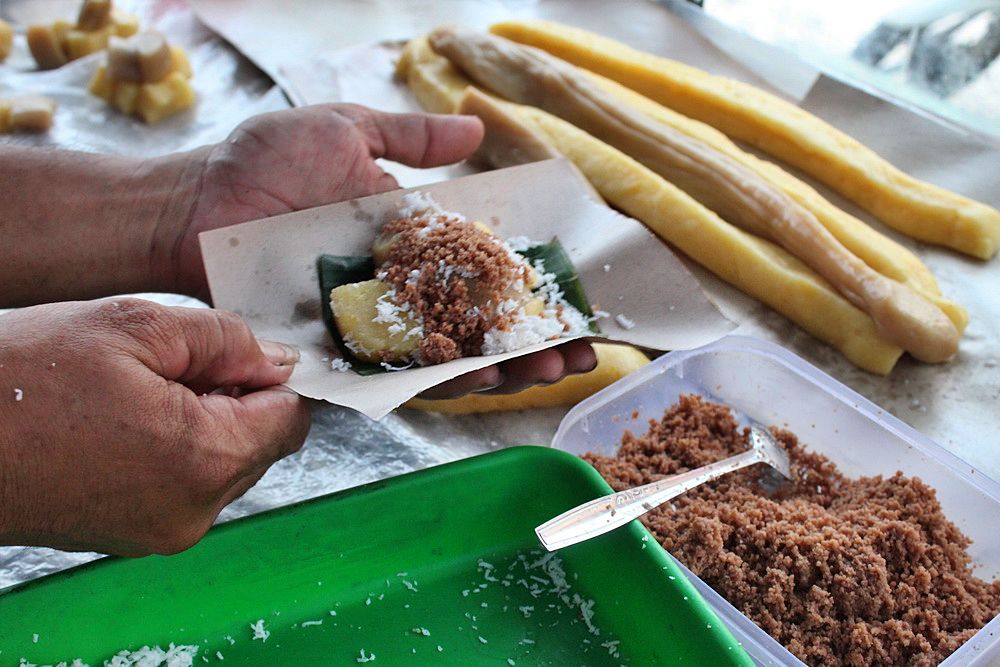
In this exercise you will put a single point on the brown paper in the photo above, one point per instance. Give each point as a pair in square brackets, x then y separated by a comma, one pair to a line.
[266, 272]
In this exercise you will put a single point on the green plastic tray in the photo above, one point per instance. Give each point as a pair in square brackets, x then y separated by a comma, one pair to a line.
[450, 550]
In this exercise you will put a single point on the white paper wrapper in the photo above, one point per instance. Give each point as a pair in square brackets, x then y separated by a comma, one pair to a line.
[266, 272]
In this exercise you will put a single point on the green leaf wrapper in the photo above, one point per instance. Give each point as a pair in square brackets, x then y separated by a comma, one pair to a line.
[337, 270]
[334, 271]
[555, 260]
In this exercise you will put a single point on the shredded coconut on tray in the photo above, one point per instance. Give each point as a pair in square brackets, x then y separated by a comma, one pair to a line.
[259, 631]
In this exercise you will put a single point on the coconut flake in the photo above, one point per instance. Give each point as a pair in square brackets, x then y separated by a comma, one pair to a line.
[624, 322]
[174, 656]
[259, 631]
[521, 243]
[340, 365]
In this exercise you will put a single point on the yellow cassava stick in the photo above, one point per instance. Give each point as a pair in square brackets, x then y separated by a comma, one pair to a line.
[744, 112]
[877, 250]
[613, 363]
[739, 195]
[756, 267]
[438, 84]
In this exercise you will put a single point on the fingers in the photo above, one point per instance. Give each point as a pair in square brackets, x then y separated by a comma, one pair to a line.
[510, 377]
[578, 356]
[203, 349]
[546, 367]
[416, 139]
[478, 380]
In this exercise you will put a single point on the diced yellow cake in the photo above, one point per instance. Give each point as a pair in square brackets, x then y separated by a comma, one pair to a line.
[152, 102]
[56, 44]
[6, 40]
[355, 308]
[159, 100]
[125, 25]
[126, 97]
[100, 85]
[94, 15]
[80, 43]
[181, 63]
[28, 113]
[45, 46]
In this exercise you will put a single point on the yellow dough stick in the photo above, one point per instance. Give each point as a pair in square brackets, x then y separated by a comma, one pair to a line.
[613, 363]
[746, 113]
[433, 79]
[877, 250]
[437, 84]
[755, 266]
[6, 40]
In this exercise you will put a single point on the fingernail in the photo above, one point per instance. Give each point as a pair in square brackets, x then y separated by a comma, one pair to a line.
[279, 354]
[500, 380]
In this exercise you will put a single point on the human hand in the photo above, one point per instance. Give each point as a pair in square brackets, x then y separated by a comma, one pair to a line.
[126, 427]
[311, 156]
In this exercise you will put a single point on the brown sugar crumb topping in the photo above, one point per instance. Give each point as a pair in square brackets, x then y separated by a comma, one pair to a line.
[841, 571]
[457, 278]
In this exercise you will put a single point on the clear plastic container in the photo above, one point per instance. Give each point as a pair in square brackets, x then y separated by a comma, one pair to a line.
[765, 384]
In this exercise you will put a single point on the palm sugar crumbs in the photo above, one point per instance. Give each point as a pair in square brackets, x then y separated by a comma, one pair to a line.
[453, 275]
[841, 571]
[470, 291]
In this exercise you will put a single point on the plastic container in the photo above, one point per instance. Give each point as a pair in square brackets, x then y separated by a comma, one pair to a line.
[401, 564]
[765, 384]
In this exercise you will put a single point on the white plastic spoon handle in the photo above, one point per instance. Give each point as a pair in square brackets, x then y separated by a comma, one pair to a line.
[609, 512]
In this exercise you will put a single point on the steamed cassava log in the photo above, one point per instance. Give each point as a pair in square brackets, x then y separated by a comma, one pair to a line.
[754, 266]
[740, 195]
[744, 112]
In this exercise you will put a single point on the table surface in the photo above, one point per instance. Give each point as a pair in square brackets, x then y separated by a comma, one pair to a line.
[958, 404]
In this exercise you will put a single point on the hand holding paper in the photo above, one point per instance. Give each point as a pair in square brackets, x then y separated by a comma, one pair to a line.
[291, 160]
[266, 271]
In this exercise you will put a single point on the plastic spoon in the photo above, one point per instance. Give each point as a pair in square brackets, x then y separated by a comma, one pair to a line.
[612, 511]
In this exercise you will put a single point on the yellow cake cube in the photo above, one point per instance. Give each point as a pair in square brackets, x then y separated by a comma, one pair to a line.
[28, 113]
[160, 100]
[80, 43]
[6, 40]
[126, 96]
[355, 308]
[150, 101]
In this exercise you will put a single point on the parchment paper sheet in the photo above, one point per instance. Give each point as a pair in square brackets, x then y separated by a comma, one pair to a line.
[266, 272]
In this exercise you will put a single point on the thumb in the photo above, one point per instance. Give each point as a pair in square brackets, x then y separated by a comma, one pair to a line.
[268, 425]
[207, 349]
[416, 139]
